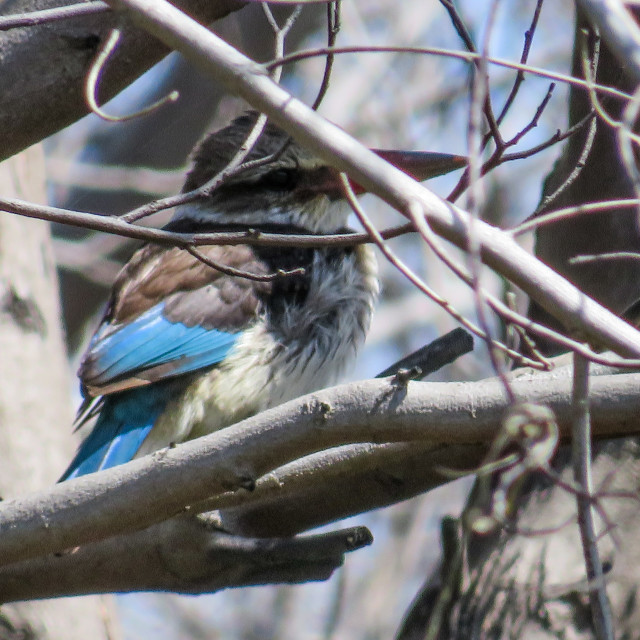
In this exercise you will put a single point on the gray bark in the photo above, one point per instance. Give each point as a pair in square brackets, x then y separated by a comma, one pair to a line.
[34, 394]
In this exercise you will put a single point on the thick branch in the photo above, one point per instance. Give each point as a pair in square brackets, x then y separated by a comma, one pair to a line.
[48, 97]
[161, 485]
[249, 80]
[185, 555]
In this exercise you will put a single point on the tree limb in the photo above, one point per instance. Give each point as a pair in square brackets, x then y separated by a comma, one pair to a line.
[162, 485]
[184, 555]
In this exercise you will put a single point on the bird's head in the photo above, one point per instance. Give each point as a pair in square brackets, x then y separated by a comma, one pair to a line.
[294, 187]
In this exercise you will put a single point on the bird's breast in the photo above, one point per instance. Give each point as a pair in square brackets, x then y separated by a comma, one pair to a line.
[307, 332]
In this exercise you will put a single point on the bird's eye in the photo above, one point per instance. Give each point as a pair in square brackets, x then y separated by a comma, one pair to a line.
[281, 179]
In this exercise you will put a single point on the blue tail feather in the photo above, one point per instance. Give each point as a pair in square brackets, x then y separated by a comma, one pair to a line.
[124, 422]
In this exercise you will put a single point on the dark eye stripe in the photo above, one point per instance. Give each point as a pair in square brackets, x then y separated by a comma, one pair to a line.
[280, 180]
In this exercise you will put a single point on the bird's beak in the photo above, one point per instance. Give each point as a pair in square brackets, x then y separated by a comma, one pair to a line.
[420, 165]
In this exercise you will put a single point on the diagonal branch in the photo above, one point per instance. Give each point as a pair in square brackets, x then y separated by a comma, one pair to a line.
[250, 81]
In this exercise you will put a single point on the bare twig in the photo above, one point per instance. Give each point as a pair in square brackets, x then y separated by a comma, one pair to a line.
[233, 167]
[280, 33]
[581, 454]
[239, 273]
[558, 136]
[115, 225]
[422, 225]
[333, 28]
[586, 150]
[480, 95]
[93, 80]
[528, 40]
[617, 255]
[562, 214]
[479, 62]
[451, 53]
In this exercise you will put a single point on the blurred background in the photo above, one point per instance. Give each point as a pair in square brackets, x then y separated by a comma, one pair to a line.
[387, 100]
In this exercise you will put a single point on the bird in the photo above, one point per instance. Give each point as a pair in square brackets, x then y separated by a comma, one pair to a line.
[184, 349]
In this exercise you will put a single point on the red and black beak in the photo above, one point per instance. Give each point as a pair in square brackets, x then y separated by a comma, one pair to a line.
[420, 165]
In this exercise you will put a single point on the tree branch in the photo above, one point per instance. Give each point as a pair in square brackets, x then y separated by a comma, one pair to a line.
[581, 458]
[184, 555]
[97, 506]
[250, 81]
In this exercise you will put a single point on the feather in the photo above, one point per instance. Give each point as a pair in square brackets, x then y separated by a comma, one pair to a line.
[151, 348]
[124, 423]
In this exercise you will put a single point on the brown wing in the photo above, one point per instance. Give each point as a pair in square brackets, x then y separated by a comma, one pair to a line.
[171, 314]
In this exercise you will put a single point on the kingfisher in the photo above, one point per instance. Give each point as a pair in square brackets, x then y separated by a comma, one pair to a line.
[184, 349]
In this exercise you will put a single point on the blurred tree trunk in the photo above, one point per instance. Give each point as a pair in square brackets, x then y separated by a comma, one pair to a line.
[35, 408]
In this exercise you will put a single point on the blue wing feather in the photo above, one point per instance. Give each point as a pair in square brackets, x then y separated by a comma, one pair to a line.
[150, 341]
[127, 417]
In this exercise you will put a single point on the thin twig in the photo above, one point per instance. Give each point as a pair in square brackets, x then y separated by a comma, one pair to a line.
[280, 33]
[581, 455]
[575, 172]
[597, 257]
[232, 168]
[533, 123]
[528, 40]
[499, 157]
[481, 96]
[589, 67]
[333, 28]
[450, 53]
[92, 83]
[116, 226]
[239, 273]
[562, 214]
[480, 63]
[416, 215]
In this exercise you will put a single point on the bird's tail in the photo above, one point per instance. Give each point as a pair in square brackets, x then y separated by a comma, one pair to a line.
[125, 421]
